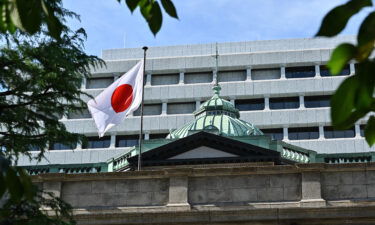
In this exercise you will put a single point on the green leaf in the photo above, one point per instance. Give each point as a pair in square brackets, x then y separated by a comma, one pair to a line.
[335, 20]
[364, 94]
[132, 4]
[169, 8]
[146, 8]
[26, 15]
[53, 23]
[340, 57]
[370, 131]
[366, 31]
[14, 184]
[156, 18]
[342, 102]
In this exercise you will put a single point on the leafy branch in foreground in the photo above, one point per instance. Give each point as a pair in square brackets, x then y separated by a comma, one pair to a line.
[354, 98]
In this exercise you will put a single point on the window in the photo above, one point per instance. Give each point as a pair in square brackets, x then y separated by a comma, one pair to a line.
[284, 103]
[265, 74]
[158, 136]
[303, 133]
[250, 104]
[100, 82]
[317, 101]
[227, 76]
[127, 140]
[96, 142]
[59, 146]
[300, 72]
[329, 132]
[362, 129]
[201, 77]
[83, 114]
[274, 133]
[149, 110]
[181, 108]
[165, 79]
[324, 71]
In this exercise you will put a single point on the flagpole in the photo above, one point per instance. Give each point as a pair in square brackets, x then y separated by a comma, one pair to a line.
[143, 91]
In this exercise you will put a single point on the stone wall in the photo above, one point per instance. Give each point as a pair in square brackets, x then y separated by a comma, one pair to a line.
[281, 194]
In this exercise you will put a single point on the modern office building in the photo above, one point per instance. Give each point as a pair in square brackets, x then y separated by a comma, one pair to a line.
[280, 86]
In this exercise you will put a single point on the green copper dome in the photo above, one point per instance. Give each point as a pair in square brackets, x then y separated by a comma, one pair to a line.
[217, 116]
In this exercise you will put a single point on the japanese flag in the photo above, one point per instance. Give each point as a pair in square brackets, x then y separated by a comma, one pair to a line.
[118, 100]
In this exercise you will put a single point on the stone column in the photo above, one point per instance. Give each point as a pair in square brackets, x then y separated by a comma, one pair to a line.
[113, 141]
[282, 72]
[321, 132]
[311, 190]
[232, 101]
[79, 146]
[301, 101]
[285, 133]
[182, 77]
[115, 76]
[148, 79]
[248, 73]
[266, 103]
[147, 136]
[164, 108]
[317, 70]
[83, 85]
[357, 130]
[197, 104]
[178, 192]
[352, 68]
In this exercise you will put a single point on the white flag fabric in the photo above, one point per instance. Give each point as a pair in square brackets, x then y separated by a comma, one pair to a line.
[118, 100]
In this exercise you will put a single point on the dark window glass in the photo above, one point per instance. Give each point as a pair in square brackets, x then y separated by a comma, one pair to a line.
[329, 132]
[181, 108]
[317, 101]
[195, 78]
[300, 72]
[83, 114]
[250, 104]
[100, 82]
[362, 130]
[165, 79]
[275, 133]
[158, 136]
[149, 110]
[59, 146]
[127, 140]
[324, 71]
[284, 103]
[96, 142]
[302, 133]
[227, 76]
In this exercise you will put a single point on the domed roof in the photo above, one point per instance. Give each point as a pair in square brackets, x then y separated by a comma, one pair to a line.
[217, 116]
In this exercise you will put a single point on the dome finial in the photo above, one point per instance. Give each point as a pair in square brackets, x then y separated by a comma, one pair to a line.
[216, 89]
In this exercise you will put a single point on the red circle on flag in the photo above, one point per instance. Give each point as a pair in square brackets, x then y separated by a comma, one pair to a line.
[122, 98]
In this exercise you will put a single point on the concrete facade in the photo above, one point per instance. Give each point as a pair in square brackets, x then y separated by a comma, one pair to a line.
[180, 78]
[222, 194]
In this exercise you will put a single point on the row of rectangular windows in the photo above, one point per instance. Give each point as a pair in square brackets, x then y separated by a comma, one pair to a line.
[224, 76]
[306, 133]
[300, 133]
[241, 104]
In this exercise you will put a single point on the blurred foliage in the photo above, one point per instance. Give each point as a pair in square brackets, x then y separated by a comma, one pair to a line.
[354, 98]
[15, 15]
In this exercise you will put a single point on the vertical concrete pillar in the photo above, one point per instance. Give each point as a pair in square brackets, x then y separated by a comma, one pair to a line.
[248, 73]
[52, 187]
[232, 101]
[285, 133]
[214, 76]
[83, 85]
[352, 68]
[311, 190]
[164, 108]
[178, 192]
[357, 130]
[148, 79]
[321, 132]
[301, 101]
[113, 140]
[79, 146]
[115, 76]
[282, 72]
[147, 136]
[182, 77]
[317, 70]
[266, 103]
[197, 104]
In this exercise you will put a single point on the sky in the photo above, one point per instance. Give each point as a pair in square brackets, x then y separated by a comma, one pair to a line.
[111, 25]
